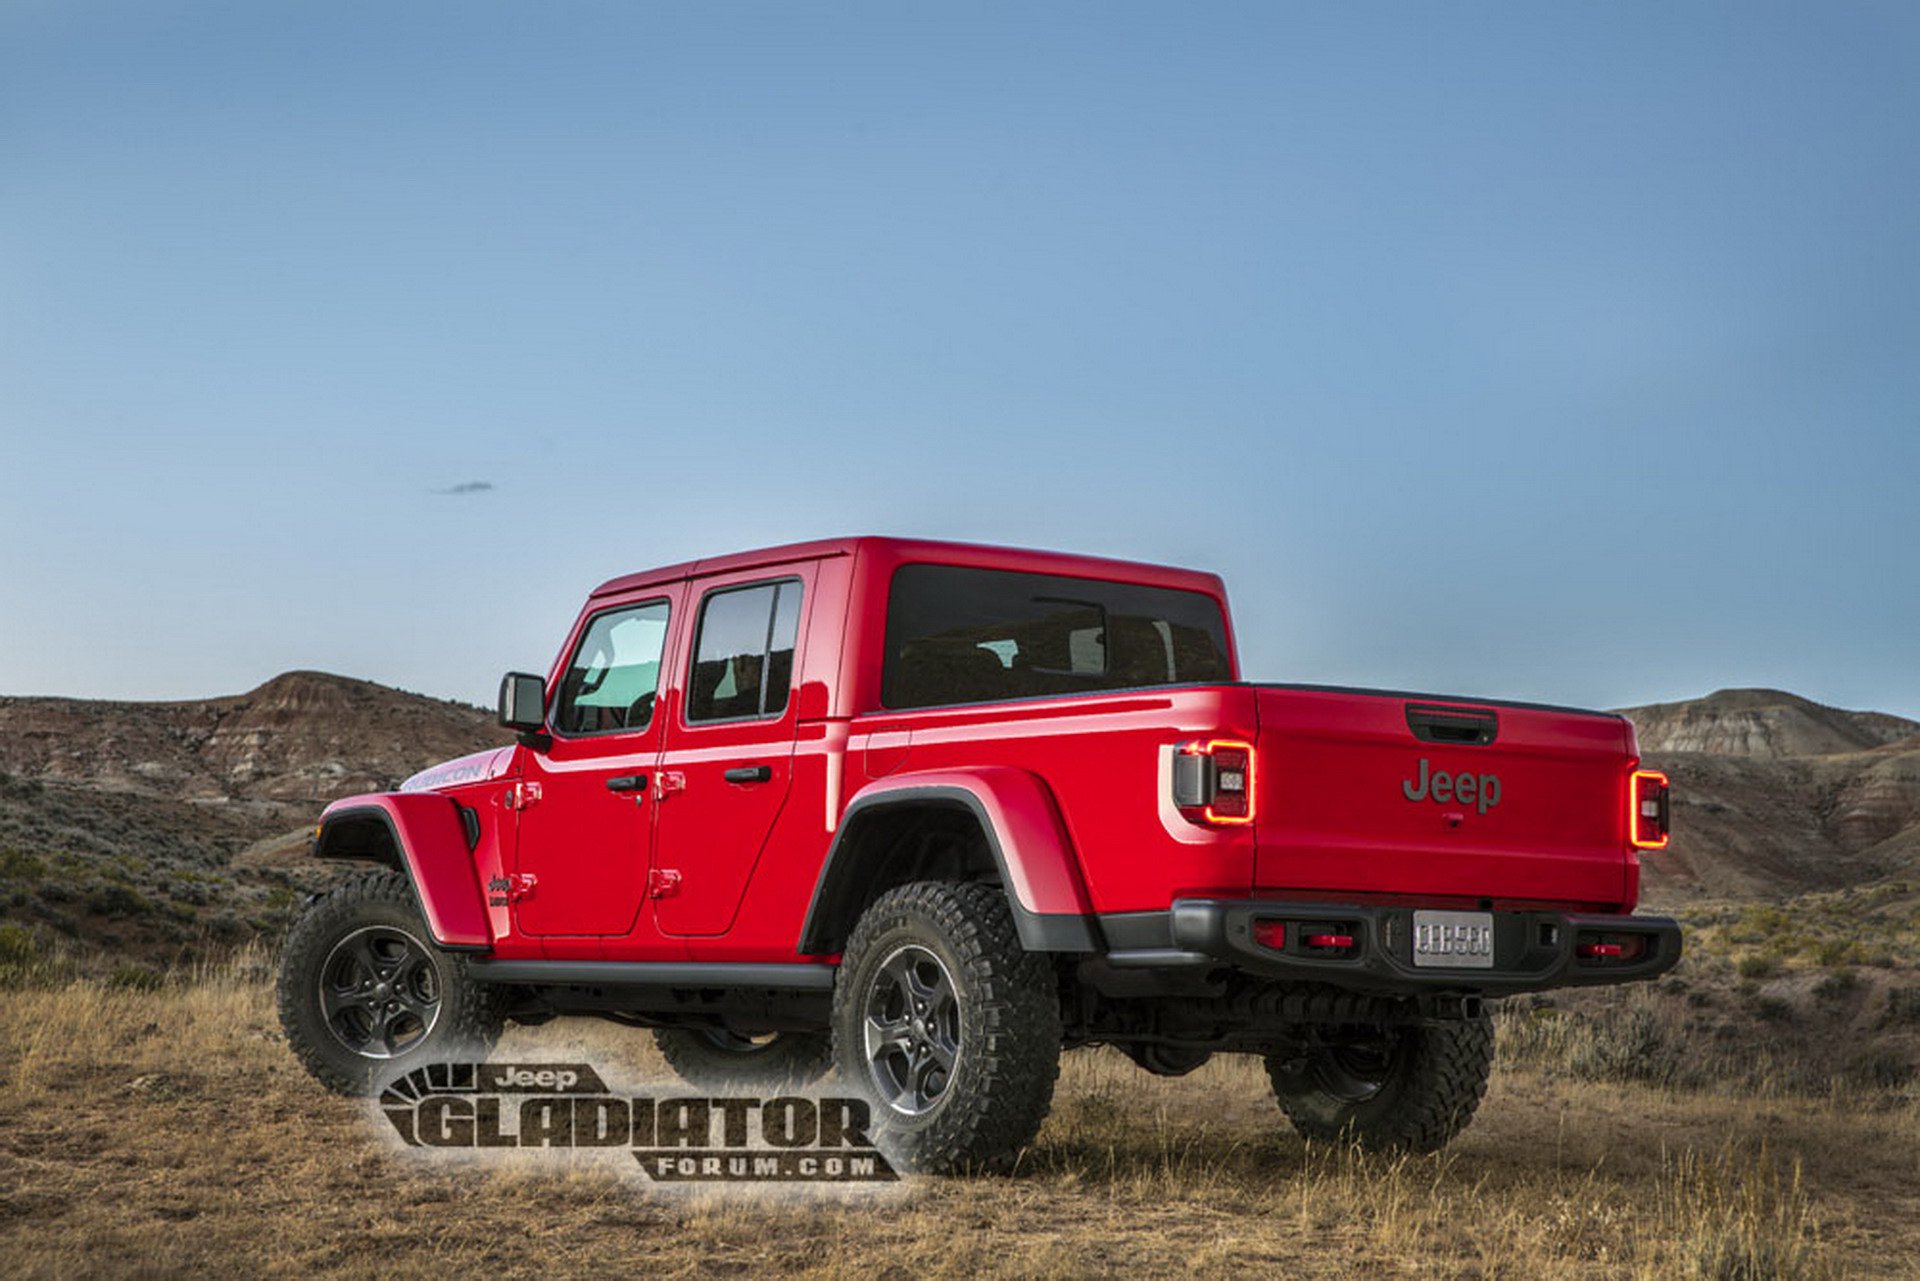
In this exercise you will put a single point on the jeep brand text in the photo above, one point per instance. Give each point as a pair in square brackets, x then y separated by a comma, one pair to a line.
[1479, 790]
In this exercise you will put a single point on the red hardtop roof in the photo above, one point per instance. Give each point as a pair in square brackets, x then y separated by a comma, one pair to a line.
[900, 551]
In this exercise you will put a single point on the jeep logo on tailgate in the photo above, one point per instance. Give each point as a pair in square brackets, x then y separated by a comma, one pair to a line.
[1480, 790]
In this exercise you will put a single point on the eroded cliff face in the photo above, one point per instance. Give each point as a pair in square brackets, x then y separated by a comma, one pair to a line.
[154, 833]
[1767, 723]
[303, 737]
[1775, 795]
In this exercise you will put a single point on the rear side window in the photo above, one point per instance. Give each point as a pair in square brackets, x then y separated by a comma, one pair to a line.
[615, 672]
[743, 655]
[959, 635]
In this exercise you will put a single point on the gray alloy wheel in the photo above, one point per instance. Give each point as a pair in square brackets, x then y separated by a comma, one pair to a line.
[948, 1027]
[364, 994]
[911, 1030]
[379, 992]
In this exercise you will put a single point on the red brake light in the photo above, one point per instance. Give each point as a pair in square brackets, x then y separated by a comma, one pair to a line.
[1648, 809]
[1213, 781]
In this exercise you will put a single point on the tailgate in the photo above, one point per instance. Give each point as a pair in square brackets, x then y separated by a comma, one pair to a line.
[1404, 794]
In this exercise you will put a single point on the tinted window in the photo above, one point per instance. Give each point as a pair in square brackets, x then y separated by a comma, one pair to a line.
[958, 635]
[743, 659]
[615, 673]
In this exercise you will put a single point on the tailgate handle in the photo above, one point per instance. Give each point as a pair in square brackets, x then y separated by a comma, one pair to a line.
[1452, 725]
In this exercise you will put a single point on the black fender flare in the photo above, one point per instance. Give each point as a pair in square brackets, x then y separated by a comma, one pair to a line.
[1023, 834]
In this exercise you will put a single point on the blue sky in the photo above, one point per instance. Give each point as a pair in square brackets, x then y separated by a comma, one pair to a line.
[1551, 351]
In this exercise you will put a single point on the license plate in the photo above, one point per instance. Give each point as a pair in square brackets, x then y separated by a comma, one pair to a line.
[1457, 940]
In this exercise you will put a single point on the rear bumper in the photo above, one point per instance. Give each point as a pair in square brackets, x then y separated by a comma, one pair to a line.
[1532, 951]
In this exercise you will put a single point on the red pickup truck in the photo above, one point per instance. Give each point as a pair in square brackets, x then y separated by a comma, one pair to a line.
[930, 812]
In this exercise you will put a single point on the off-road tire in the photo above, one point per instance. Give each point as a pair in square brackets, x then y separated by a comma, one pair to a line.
[1432, 1080]
[1008, 1026]
[717, 1061]
[469, 1014]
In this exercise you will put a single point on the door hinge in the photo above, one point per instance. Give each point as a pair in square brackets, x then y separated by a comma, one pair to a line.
[669, 781]
[662, 881]
[522, 796]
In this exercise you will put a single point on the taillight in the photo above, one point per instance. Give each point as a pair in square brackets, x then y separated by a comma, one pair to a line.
[1604, 947]
[1647, 809]
[1213, 781]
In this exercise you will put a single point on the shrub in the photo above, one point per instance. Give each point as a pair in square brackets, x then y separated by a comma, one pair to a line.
[1762, 923]
[1882, 1067]
[18, 865]
[1757, 966]
[1903, 1006]
[17, 946]
[136, 978]
[227, 927]
[1837, 984]
[117, 901]
[24, 962]
[1631, 1046]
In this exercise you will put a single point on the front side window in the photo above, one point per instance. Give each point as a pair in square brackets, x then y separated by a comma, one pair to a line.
[614, 677]
[743, 657]
[961, 635]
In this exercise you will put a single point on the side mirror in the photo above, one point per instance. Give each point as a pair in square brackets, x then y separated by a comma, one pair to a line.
[523, 702]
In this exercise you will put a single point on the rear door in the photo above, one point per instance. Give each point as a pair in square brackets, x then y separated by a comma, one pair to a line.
[728, 760]
[585, 813]
[1398, 794]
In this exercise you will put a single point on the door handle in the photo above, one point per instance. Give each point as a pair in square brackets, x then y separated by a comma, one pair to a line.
[627, 783]
[749, 774]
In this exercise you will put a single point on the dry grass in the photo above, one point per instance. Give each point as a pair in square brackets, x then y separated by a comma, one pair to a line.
[1814, 997]
[168, 1131]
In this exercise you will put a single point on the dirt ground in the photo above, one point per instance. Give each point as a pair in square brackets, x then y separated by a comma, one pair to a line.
[169, 1132]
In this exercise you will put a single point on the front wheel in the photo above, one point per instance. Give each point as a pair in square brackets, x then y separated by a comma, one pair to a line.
[1408, 1088]
[364, 994]
[947, 1025]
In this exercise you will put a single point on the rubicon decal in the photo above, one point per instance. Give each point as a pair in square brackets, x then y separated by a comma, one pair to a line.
[1479, 790]
[788, 1139]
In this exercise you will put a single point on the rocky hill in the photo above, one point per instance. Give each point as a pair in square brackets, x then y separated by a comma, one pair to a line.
[1775, 795]
[1766, 723]
[151, 833]
[302, 738]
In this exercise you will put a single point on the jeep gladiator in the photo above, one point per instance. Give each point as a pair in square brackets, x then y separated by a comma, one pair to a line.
[928, 813]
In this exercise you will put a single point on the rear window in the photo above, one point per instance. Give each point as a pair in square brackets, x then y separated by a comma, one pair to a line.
[743, 654]
[959, 635]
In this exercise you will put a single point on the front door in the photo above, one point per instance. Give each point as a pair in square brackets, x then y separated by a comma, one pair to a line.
[728, 762]
[585, 803]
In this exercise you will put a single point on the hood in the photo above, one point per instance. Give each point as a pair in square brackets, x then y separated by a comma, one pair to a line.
[478, 767]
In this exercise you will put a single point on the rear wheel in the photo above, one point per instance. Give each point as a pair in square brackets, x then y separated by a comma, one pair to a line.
[364, 994]
[1398, 1089]
[718, 1059]
[947, 1025]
